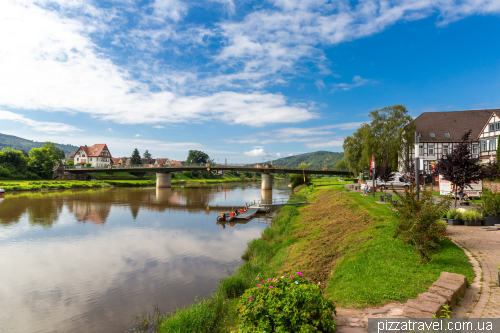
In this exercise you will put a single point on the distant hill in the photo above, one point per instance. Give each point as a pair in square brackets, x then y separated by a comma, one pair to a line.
[26, 145]
[314, 160]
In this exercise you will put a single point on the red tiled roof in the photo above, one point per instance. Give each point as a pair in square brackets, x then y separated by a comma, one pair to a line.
[95, 150]
[175, 163]
[162, 160]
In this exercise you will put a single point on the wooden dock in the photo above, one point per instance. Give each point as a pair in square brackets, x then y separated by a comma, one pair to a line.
[249, 214]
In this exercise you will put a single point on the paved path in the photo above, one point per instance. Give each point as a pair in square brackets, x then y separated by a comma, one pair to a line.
[485, 246]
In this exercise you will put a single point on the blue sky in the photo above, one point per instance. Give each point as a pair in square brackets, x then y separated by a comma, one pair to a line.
[242, 80]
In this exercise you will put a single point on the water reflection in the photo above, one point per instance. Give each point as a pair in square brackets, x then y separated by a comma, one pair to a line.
[61, 273]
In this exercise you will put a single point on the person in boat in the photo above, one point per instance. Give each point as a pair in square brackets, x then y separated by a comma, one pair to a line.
[236, 212]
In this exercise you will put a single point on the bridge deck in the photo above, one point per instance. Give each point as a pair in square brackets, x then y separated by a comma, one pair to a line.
[157, 169]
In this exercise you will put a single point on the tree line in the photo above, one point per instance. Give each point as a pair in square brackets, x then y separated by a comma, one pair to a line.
[39, 163]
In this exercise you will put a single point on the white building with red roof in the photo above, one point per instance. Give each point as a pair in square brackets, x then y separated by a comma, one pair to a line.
[97, 155]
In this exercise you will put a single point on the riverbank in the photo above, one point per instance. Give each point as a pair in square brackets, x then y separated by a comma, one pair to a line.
[178, 179]
[344, 241]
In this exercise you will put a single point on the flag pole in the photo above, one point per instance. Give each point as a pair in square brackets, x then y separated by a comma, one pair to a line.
[373, 175]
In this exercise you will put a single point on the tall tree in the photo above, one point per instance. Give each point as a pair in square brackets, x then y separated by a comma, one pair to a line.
[41, 162]
[341, 165]
[197, 157]
[54, 151]
[136, 157]
[303, 165]
[459, 166]
[388, 135]
[147, 155]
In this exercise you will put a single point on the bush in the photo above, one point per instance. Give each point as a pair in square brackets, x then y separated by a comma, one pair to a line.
[298, 179]
[472, 214]
[491, 204]
[454, 214]
[418, 222]
[188, 174]
[286, 304]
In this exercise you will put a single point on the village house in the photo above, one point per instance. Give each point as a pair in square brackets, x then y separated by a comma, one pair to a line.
[439, 132]
[97, 155]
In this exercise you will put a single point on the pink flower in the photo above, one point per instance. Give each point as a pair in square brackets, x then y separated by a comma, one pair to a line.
[291, 276]
[269, 279]
[251, 298]
[258, 285]
[263, 281]
[299, 273]
[270, 287]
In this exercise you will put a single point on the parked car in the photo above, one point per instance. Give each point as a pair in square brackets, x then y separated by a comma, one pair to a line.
[397, 182]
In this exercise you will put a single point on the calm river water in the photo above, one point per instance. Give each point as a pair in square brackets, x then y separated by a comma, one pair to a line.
[88, 260]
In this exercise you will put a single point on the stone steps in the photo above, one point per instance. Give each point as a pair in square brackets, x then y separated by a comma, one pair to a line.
[445, 291]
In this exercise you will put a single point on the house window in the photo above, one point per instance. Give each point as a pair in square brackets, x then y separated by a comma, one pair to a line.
[430, 150]
[497, 126]
[475, 149]
[432, 135]
[484, 145]
[420, 150]
[493, 144]
[447, 135]
[445, 150]
[492, 127]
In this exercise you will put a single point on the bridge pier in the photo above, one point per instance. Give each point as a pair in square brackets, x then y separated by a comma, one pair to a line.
[164, 180]
[267, 181]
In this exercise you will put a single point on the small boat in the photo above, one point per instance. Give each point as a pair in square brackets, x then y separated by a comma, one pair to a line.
[2, 191]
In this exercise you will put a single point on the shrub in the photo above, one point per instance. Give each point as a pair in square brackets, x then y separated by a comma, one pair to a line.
[454, 214]
[286, 304]
[472, 214]
[298, 179]
[88, 165]
[188, 174]
[491, 203]
[418, 222]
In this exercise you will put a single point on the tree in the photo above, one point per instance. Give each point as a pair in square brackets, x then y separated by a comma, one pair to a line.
[13, 159]
[341, 165]
[389, 135]
[136, 157]
[459, 167]
[41, 162]
[491, 171]
[147, 155]
[384, 173]
[197, 157]
[303, 165]
[54, 151]
[298, 179]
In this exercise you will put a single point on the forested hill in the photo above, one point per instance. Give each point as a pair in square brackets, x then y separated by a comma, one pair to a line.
[26, 145]
[314, 160]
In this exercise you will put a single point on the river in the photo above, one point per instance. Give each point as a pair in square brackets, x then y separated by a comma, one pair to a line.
[89, 260]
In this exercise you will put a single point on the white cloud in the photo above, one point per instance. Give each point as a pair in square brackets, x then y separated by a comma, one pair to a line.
[39, 126]
[295, 134]
[173, 9]
[258, 147]
[325, 144]
[159, 126]
[357, 81]
[291, 154]
[110, 129]
[278, 155]
[138, 135]
[257, 153]
[49, 62]
[320, 84]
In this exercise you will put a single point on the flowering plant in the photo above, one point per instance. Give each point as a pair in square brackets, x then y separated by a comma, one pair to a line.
[286, 304]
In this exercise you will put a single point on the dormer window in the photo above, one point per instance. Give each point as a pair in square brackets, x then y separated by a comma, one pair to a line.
[446, 135]
[432, 135]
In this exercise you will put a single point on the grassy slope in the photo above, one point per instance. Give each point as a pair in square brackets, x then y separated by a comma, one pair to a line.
[314, 160]
[35, 185]
[345, 241]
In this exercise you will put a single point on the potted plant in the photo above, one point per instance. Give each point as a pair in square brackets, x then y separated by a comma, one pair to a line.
[454, 217]
[491, 207]
[472, 218]
[444, 217]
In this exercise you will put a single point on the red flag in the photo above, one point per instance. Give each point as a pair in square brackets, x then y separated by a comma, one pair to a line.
[304, 173]
[372, 164]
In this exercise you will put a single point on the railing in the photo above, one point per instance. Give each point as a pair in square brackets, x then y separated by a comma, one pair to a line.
[183, 165]
[282, 201]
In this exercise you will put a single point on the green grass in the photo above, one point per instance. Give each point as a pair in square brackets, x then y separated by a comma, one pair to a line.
[384, 269]
[374, 268]
[37, 185]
